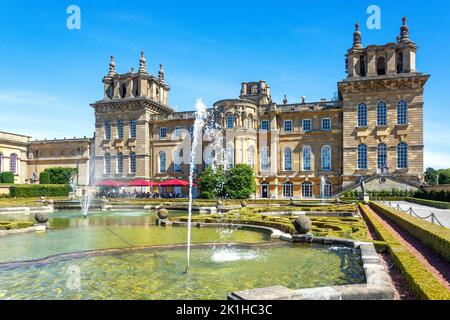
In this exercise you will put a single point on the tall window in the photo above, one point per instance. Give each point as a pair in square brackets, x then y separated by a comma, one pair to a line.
[230, 121]
[107, 130]
[307, 189]
[362, 157]
[402, 112]
[326, 158]
[132, 162]
[251, 156]
[162, 133]
[288, 189]
[265, 125]
[326, 124]
[230, 156]
[178, 159]
[120, 163]
[402, 156]
[177, 132]
[381, 114]
[162, 162]
[307, 125]
[307, 159]
[13, 163]
[1, 162]
[133, 129]
[288, 126]
[265, 158]
[107, 163]
[362, 115]
[250, 122]
[120, 129]
[287, 159]
[328, 189]
[382, 156]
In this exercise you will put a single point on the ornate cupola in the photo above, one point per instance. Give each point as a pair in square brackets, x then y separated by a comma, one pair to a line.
[112, 67]
[142, 64]
[161, 73]
[404, 32]
[357, 38]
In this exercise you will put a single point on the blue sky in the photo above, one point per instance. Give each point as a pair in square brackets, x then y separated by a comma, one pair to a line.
[49, 74]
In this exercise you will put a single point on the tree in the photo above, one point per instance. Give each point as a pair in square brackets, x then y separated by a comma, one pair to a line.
[431, 176]
[58, 175]
[444, 176]
[44, 177]
[7, 177]
[240, 182]
[211, 183]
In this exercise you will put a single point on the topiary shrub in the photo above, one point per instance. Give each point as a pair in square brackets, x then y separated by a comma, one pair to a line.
[7, 177]
[241, 182]
[34, 191]
[44, 177]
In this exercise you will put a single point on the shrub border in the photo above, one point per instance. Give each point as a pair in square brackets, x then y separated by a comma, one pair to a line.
[421, 281]
[431, 203]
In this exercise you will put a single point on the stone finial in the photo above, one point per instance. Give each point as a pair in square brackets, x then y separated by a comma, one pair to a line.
[404, 31]
[142, 63]
[161, 73]
[303, 99]
[357, 38]
[285, 100]
[132, 70]
[112, 67]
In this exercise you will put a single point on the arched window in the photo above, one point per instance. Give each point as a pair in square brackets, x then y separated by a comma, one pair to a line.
[230, 121]
[177, 160]
[381, 66]
[132, 162]
[382, 156]
[306, 159]
[120, 163]
[265, 163]
[362, 115]
[328, 190]
[1, 162]
[13, 163]
[119, 129]
[402, 112]
[162, 162]
[107, 130]
[288, 189]
[250, 121]
[107, 163]
[326, 158]
[307, 189]
[123, 90]
[230, 156]
[133, 129]
[362, 157]
[402, 156]
[381, 113]
[287, 159]
[251, 156]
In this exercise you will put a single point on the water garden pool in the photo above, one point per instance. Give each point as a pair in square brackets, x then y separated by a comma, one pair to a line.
[143, 265]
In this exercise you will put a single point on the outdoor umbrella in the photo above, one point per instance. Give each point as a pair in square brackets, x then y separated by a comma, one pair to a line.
[175, 183]
[109, 183]
[141, 183]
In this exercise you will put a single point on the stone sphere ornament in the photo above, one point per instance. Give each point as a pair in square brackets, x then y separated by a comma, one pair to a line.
[244, 204]
[41, 217]
[303, 225]
[163, 214]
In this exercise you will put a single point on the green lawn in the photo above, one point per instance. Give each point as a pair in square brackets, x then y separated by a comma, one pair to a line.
[24, 202]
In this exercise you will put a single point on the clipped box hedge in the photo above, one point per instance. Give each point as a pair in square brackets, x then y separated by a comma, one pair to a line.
[434, 236]
[12, 225]
[421, 281]
[431, 203]
[33, 191]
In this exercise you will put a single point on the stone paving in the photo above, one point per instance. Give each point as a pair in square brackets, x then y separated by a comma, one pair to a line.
[443, 215]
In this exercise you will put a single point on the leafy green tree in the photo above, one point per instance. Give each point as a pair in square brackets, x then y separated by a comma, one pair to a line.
[7, 177]
[444, 176]
[211, 183]
[241, 182]
[431, 176]
[44, 177]
[60, 175]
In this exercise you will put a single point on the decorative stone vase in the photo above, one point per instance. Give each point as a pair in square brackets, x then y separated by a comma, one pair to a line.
[291, 201]
[303, 225]
[163, 214]
[219, 202]
[41, 217]
[244, 204]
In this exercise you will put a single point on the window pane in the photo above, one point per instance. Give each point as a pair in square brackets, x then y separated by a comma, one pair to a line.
[381, 114]
[402, 156]
[162, 162]
[133, 162]
[265, 159]
[326, 124]
[265, 125]
[307, 159]
[120, 163]
[287, 159]
[120, 129]
[107, 130]
[288, 126]
[230, 121]
[326, 158]
[307, 125]
[362, 115]
[162, 133]
[382, 156]
[133, 129]
[362, 157]
[402, 113]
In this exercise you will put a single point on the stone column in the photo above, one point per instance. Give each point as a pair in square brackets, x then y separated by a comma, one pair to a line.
[371, 63]
[391, 60]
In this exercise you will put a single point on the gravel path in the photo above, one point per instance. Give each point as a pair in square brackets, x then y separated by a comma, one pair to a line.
[439, 268]
[443, 215]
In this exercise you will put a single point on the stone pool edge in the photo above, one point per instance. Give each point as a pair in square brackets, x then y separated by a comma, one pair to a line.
[377, 287]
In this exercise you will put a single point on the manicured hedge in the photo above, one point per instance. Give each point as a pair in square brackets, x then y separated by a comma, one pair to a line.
[44, 177]
[31, 191]
[431, 203]
[422, 283]
[433, 195]
[434, 236]
[6, 177]
[11, 225]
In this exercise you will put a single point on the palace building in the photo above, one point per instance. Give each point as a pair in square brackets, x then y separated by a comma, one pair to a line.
[374, 128]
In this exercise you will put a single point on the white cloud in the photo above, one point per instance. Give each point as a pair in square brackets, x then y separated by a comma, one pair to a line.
[437, 159]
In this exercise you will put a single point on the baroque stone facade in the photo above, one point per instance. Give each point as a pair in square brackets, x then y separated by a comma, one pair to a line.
[375, 127]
